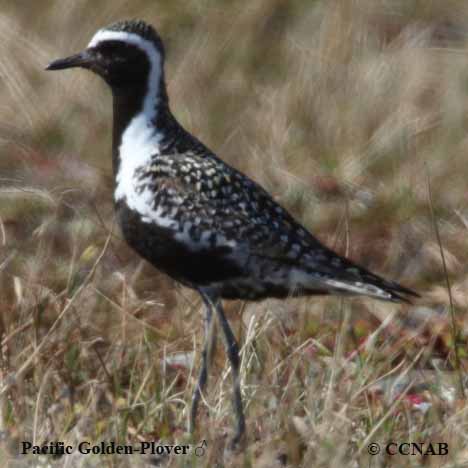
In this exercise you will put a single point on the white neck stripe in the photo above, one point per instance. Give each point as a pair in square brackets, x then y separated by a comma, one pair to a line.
[154, 57]
[140, 140]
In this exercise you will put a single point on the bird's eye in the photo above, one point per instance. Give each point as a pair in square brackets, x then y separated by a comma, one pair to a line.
[110, 47]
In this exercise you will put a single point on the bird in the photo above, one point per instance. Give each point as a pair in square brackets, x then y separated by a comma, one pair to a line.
[198, 219]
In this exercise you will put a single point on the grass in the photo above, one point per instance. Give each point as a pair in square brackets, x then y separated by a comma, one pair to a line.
[342, 110]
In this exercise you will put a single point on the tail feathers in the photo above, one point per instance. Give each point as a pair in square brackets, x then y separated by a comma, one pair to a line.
[341, 276]
[378, 288]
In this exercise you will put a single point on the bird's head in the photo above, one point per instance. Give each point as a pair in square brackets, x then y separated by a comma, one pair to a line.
[125, 54]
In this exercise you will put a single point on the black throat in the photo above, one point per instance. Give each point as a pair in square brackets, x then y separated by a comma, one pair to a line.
[128, 102]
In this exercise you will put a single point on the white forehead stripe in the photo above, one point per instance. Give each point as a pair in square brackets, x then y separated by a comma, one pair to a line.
[131, 38]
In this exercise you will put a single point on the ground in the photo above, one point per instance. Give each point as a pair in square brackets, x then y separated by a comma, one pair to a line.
[354, 116]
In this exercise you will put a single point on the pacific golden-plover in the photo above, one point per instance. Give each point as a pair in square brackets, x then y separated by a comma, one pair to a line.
[196, 218]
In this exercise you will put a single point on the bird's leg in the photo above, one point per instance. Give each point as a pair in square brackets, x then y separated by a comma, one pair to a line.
[208, 349]
[232, 350]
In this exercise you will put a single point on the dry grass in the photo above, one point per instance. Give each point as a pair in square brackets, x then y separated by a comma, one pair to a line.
[342, 110]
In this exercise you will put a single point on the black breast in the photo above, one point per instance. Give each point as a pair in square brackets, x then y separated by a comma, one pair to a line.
[159, 246]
